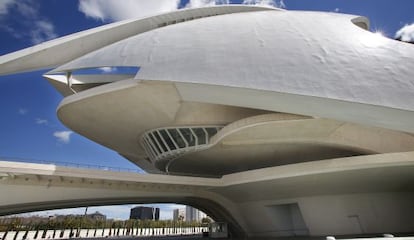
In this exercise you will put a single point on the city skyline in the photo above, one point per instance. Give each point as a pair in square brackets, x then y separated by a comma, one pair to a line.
[116, 212]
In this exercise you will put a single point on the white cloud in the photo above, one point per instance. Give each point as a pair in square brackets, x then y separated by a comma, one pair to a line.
[272, 3]
[204, 3]
[281, 4]
[27, 8]
[43, 31]
[406, 33]
[108, 69]
[115, 10]
[63, 136]
[31, 24]
[41, 121]
[22, 111]
[5, 5]
[336, 10]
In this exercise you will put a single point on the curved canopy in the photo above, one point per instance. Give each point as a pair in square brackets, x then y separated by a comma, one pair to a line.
[59, 51]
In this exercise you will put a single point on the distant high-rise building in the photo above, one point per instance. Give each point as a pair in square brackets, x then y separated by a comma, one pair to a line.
[193, 214]
[145, 213]
[188, 214]
[179, 214]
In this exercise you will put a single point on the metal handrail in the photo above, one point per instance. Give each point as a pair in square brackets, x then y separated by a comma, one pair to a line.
[73, 165]
[148, 139]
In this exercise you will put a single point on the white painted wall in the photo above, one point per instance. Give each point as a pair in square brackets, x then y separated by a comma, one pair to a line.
[358, 213]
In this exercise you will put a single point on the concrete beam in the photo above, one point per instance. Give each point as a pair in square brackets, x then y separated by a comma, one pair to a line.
[353, 181]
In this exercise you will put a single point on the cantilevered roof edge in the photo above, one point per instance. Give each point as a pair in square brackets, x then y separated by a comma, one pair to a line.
[61, 50]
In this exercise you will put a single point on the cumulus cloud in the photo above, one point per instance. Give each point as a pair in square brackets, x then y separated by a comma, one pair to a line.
[63, 136]
[5, 5]
[35, 27]
[115, 10]
[273, 3]
[406, 33]
[27, 8]
[43, 31]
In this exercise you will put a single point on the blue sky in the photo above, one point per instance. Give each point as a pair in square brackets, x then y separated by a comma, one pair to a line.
[29, 128]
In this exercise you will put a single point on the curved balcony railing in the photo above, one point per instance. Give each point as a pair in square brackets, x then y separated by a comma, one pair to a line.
[172, 142]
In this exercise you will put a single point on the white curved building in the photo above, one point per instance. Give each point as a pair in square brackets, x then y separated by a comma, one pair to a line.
[225, 90]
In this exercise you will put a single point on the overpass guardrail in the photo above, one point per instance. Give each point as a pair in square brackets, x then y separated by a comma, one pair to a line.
[73, 165]
[99, 233]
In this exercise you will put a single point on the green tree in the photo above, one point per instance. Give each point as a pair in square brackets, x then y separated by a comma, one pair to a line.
[205, 221]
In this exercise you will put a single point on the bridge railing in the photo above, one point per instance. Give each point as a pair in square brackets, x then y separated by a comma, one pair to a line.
[99, 233]
[73, 165]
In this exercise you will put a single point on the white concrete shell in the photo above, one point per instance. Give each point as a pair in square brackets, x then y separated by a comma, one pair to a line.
[291, 93]
[59, 51]
[300, 54]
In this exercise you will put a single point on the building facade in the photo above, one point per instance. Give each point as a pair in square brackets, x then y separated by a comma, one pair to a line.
[179, 214]
[264, 117]
[193, 214]
[145, 213]
[188, 214]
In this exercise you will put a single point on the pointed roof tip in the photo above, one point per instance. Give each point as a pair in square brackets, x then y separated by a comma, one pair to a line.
[62, 50]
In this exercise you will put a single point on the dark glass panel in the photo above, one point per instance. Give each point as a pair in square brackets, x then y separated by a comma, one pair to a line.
[177, 138]
[167, 139]
[159, 140]
[154, 143]
[188, 136]
[201, 135]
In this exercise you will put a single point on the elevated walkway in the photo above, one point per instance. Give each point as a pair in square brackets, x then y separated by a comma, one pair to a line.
[251, 202]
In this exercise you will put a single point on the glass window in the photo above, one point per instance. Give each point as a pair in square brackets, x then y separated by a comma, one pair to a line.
[211, 131]
[160, 142]
[154, 143]
[167, 139]
[188, 136]
[201, 135]
[177, 138]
